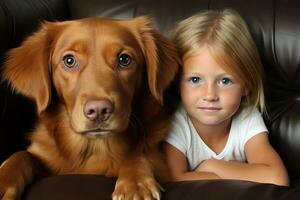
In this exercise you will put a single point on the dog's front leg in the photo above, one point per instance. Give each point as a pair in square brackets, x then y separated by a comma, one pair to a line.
[136, 181]
[16, 172]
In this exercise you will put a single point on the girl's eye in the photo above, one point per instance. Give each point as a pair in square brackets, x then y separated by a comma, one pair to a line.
[194, 80]
[124, 60]
[225, 81]
[69, 61]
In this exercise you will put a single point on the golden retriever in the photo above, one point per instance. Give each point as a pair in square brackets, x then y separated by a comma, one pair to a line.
[99, 86]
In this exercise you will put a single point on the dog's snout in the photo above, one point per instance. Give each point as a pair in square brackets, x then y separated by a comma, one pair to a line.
[98, 110]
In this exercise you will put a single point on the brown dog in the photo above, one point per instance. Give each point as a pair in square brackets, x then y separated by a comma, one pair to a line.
[98, 85]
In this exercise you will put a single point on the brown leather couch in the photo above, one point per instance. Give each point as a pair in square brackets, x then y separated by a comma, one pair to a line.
[275, 26]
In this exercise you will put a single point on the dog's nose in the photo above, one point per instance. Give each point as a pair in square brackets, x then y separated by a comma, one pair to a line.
[98, 110]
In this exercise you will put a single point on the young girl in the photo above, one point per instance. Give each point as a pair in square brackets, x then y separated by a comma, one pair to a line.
[218, 132]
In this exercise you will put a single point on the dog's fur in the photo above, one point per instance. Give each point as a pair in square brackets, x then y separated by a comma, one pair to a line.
[99, 86]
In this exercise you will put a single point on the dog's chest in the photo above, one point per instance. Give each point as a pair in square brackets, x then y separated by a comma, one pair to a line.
[96, 164]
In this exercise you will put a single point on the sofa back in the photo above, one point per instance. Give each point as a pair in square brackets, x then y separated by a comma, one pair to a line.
[18, 19]
[274, 25]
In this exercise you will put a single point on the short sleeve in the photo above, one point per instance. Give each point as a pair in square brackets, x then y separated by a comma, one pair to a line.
[178, 134]
[254, 124]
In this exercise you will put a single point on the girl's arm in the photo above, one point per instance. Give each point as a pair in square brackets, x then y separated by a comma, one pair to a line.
[264, 164]
[178, 166]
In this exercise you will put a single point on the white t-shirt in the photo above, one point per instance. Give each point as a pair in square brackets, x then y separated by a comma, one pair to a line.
[185, 138]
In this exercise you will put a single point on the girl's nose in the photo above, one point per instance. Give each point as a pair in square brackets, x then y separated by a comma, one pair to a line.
[210, 93]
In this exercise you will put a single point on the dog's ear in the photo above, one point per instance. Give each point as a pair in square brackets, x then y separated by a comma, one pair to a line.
[26, 68]
[162, 59]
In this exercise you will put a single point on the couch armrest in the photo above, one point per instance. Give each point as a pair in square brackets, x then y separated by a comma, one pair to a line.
[93, 187]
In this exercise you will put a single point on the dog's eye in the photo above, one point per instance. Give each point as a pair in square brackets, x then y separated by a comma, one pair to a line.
[69, 61]
[124, 60]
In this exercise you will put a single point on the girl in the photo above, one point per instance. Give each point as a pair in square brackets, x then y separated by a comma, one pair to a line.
[218, 132]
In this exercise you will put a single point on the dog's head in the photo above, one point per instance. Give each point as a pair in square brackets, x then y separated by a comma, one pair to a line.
[96, 66]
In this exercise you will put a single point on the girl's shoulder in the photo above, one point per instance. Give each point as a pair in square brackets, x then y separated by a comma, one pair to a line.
[247, 124]
[180, 113]
[247, 114]
[180, 121]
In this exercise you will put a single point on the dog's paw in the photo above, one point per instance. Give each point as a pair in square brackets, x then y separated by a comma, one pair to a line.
[143, 189]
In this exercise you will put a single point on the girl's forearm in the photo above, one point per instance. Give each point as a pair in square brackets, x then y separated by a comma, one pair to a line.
[194, 175]
[244, 171]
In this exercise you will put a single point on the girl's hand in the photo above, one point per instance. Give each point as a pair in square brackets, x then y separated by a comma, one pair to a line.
[207, 165]
[212, 165]
[202, 166]
[178, 166]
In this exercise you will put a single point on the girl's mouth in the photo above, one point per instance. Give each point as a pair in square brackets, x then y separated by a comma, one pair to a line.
[209, 109]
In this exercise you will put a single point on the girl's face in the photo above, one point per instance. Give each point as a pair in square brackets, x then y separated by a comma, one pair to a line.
[210, 95]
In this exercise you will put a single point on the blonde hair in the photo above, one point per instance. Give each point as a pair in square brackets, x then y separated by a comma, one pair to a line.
[228, 39]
